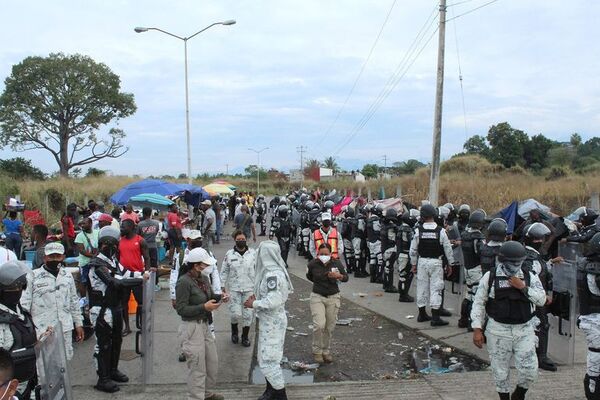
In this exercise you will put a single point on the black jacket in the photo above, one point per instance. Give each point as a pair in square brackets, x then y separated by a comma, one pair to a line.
[317, 274]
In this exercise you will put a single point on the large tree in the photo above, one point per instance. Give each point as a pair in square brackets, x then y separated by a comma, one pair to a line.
[477, 145]
[58, 103]
[20, 168]
[507, 144]
[370, 170]
[330, 163]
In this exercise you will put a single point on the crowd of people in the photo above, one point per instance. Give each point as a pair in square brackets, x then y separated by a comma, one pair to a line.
[508, 280]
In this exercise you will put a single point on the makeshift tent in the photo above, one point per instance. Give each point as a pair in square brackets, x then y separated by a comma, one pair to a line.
[338, 207]
[33, 217]
[154, 201]
[144, 187]
[194, 195]
[229, 185]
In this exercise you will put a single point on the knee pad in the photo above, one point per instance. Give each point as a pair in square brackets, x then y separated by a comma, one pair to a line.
[591, 386]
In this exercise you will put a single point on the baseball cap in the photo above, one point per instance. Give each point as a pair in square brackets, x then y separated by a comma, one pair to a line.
[192, 234]
[54, 248]
[199, 255]
[105, 218]
[206, 203]
[326, 217]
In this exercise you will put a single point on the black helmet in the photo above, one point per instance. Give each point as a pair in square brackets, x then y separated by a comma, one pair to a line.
[428, 211]
[13, 274]
[593, 244]
[588, 217]
[391, 213]
[536, 231]
[367, 208]
[349, 212]
[283, 211]
[308, 205]
[497, 230]
[476, 219]
[328, 205]
[378, 209]
[276, 200]
[303, 197]
[512, 251]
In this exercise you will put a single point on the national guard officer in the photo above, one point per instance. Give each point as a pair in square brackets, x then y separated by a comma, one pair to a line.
[272, 287]
[508, 295]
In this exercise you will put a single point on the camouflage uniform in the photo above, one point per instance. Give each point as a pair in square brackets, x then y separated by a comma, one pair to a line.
[50, 300]
[237, 275]
[507, 340]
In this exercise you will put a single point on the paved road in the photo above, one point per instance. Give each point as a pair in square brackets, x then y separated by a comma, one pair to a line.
[235, 361]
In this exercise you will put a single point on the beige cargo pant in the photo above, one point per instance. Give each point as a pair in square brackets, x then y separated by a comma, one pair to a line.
[200, 350]
[324, 312]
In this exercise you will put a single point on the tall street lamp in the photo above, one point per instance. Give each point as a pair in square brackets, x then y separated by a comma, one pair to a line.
[141, 29]
[258, 168]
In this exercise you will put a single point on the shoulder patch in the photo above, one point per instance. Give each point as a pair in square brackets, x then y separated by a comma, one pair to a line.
[272, 283]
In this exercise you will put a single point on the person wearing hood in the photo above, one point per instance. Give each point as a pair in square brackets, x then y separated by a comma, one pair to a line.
[271, 289]
[509, 295]
[51, 297]
[195, 301]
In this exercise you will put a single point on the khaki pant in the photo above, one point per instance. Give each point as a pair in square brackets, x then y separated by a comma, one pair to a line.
[324, 312]
[200, 350]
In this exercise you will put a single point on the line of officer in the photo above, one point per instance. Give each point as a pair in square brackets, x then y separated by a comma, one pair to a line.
[389, 248]
[374, 242]
[403, 241]
[508, 295]
[588, 289]
[359, 245]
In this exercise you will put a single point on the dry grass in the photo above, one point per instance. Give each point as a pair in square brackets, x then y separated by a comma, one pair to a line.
[464, 180]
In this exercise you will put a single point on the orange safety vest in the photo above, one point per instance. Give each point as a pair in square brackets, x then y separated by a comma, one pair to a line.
[332, 239]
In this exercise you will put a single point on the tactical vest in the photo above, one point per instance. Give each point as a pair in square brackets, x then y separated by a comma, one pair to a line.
[429, 242]
[509, 305]
[589, 303]
[347, 224]
[488, 257]
[389, 235]
[313, 220]
[284, 231]
[544, 274]
[404, 238]
[470, 255]
[373, 229]
[332, 239]
[24, 337]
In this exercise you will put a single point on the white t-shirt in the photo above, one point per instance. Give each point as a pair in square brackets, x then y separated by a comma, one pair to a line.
[7, 255]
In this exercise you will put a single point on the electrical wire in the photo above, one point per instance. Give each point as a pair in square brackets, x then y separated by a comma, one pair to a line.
[362, 69]
[410, 57]
[472, 10]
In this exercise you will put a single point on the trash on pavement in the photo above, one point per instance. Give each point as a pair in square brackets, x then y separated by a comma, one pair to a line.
[301, 366]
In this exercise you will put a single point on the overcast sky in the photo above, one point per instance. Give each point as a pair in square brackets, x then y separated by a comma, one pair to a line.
[280, 75]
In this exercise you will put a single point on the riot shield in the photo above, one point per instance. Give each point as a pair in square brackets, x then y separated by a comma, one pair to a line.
[562, 313]
[53, 371]
[144, 341]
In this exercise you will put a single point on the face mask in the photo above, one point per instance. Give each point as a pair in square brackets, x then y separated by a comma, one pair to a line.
[536, 245]
[324, 259]
[511, 267]
[240, 244]
[207, 271]
[109, 251]
[53, 265]
[11, 298]
[326, 224]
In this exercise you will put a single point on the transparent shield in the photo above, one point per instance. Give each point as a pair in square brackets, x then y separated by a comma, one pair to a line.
[562, 315]
[148, 330]
[53, 371]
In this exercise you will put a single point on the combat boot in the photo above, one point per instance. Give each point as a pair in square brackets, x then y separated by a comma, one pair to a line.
[436, 320]
[405, 298]
[279, 394]
[245, 340]
[504, 396]
[106, 386]
[464, 321]
[442, 310]
[546, 364]
[268, 393]
[234, 334]
[423, 316]
[518, 394]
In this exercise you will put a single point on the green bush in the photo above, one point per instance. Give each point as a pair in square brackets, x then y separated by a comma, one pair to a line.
[557, 172]
[8, 188]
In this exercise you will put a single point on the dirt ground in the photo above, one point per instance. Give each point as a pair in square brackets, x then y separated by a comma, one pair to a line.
[371, 347]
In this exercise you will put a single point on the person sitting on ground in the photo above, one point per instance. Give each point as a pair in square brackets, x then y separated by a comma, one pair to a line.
[325, 299]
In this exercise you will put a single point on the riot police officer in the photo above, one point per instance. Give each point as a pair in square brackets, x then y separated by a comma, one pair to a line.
[261, 214]
[508, 294]
[496, 235]
[534, 236]
[464, 213]
[17, 332]
[359, 244]
[589, 227]
[471, 244]
[346, 229]
[305, 228]
[403, 240]
[374, 242]
[107, 281]
[389, 234]
[281, 229]
[588, 288]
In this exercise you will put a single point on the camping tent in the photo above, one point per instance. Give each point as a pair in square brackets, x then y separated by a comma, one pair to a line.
[152, 186]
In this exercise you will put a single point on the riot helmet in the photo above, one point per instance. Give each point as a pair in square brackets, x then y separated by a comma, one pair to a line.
[391, 214]
[497, 230]
[511, 255]
[283, 211]
[593, 245]
[349, 212]
[428, 211]
[476, 220]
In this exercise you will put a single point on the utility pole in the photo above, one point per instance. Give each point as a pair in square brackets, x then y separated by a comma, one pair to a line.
[434, 181]
[226, 169]
[384, 163]
[301, 150]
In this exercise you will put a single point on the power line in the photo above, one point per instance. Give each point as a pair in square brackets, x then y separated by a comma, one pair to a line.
[301, 150]
[362, 69]
[395, 78]
[473, 10]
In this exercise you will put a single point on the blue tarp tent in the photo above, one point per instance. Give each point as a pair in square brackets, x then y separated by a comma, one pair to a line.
[510, 214]
[193, 194]
[146, 186]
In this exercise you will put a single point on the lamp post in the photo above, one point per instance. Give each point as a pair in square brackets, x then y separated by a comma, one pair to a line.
[258, 168]
[141, 29]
